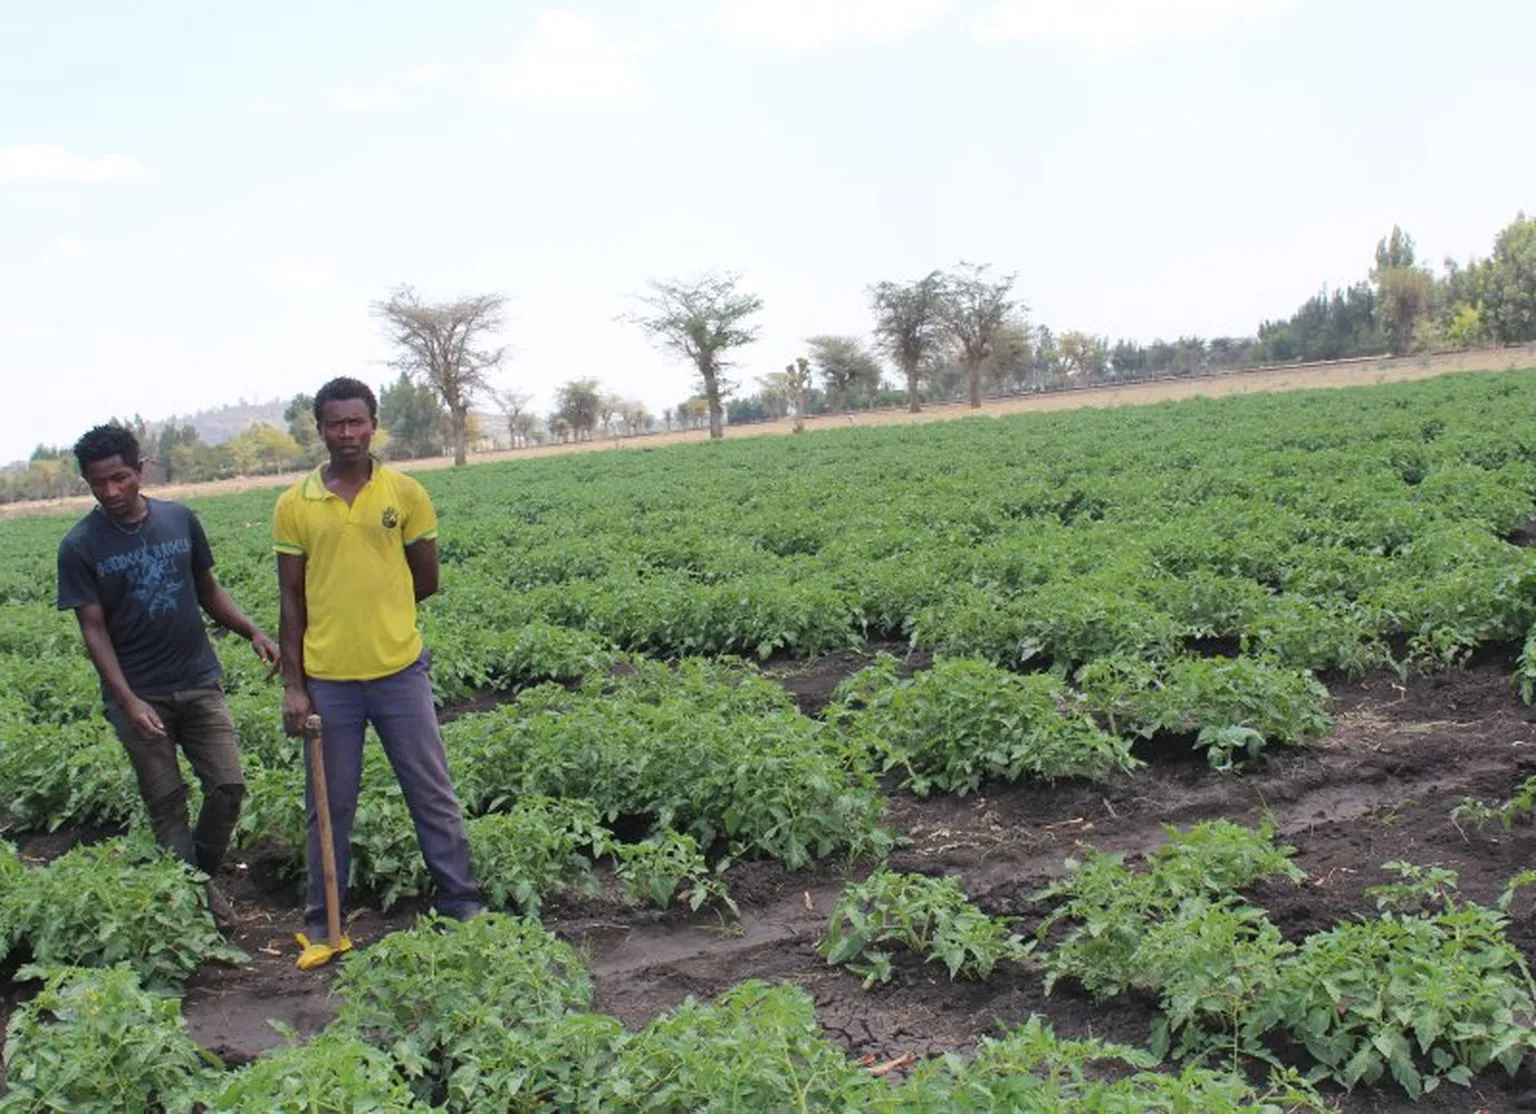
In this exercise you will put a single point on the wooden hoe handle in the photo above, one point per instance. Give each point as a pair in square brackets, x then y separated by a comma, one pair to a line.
[316, 748]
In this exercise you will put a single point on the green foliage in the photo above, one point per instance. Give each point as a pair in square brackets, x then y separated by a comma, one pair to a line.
[335, 1073]
[1520, 806]
[1061, 625]
[545, 1063]
[469, 657]
[53, 777]
[964, 722]
[1228, 704]
[711, 749]
[1210, 962]
[657, 868]
[1109, 910]
[1421, 996]
[757, 1048]
[1030, 1068]
[1525, 668]
[12, 875]
[95, 1042]
[119, 901]
[930, 917]
[413, 417]
[1432, 989]
[61, 689]
[1510, 285]
[542, 846]
[1312, 530]
[422, 993]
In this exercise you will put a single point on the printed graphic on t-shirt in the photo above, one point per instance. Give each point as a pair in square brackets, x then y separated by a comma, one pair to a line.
[152, 574]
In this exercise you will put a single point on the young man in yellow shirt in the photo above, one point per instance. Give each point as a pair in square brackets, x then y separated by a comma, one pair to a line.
[356, 546]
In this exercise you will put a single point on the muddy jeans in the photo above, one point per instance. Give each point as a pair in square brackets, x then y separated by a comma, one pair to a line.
[196, 720]
[401, 710]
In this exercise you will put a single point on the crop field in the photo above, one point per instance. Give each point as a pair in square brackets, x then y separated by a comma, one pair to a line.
[1165, 758]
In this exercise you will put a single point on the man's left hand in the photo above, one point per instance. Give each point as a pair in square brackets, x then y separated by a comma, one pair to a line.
[267, 651]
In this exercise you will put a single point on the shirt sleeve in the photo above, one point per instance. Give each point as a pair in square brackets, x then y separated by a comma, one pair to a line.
[419, 521]
[202, 552]
[286, 535]
[77, 583]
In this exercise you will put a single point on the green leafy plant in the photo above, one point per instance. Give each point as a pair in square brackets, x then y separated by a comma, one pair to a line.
[334, 1073]
[1211, 964]
[669, 865]
[11, 878]
[542, 846]
[531, 1064]
[55, 776]
[94, 1041]
[1105, 911]
[119, 901]
[421, 993]
[1520, 805]
[468, 657]
[715, 750]
[1231, 705]
[1030, 1068]
[1525, 668]
[1424, 997]
[964, 722]
[757, 1048]
[930, 917]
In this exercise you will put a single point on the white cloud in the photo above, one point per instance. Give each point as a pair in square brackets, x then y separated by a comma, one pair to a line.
[428, 73]
[300, 277]
[1114, 24]
[567, 57]
[808, 24]
[46, 163]
[71, 247]
[366, 98]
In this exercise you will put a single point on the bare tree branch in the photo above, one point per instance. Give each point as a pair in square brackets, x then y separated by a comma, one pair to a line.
[442, 345]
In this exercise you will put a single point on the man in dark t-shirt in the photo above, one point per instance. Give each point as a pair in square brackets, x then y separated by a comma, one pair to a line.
[137, 572]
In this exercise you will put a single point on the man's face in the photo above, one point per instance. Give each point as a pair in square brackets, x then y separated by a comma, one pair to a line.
[346, 428]
[115, 485]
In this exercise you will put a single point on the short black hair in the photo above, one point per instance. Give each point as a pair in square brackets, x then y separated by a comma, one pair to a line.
[104, 441]
[343, 388]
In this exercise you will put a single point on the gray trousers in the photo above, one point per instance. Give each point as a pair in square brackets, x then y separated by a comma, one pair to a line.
[197, 721]
[400, 708]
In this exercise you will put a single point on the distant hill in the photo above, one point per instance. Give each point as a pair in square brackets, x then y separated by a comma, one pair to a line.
[219, 424]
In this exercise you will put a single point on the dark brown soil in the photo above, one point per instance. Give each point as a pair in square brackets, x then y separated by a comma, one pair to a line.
[1404, 753]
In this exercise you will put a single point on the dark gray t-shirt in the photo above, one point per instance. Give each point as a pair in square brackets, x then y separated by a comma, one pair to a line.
[143, 578]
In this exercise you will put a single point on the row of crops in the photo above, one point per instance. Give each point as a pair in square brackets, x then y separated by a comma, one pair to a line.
[1195, 572]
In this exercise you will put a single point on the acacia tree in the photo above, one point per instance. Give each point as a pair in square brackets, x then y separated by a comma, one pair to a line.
[848, 371]
[702, 320]
[514, 411]
[974, 308]
[909, 326]
[577, 404]
[443, 345]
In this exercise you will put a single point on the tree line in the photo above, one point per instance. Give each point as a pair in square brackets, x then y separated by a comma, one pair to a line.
[949, 335]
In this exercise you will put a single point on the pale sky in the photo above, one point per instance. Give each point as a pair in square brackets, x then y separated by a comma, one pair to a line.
[199, 201]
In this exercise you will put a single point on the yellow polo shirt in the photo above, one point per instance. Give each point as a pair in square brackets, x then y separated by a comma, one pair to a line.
[358, 590]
